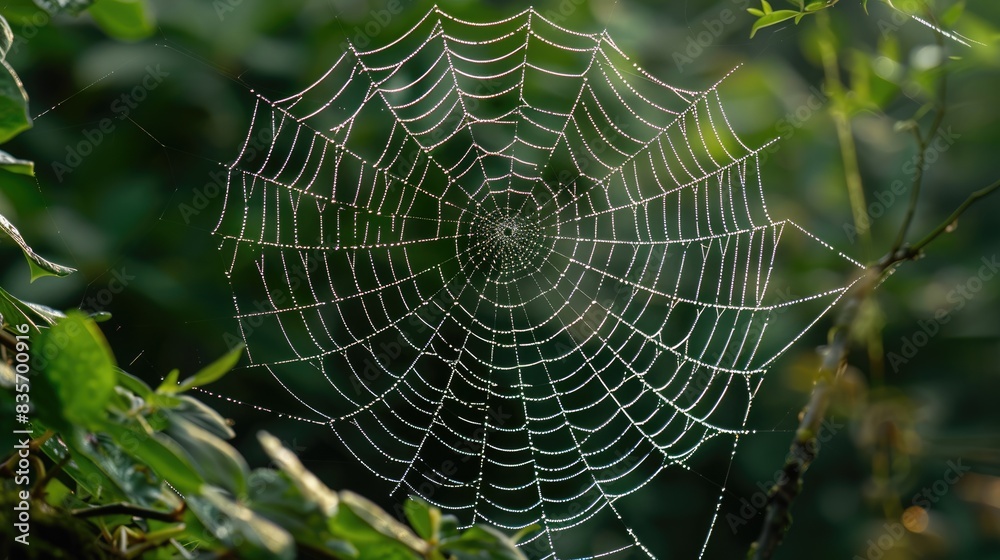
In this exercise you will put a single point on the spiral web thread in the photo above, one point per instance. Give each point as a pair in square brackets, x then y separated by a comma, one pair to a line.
[513, 272]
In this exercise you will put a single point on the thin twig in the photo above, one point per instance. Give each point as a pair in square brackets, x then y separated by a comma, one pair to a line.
[7, 340]
[130, 510]
[805, 446]
[981, 193]
[923, 143]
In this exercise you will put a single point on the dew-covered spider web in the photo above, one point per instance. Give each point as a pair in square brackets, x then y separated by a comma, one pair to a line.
[514, 273]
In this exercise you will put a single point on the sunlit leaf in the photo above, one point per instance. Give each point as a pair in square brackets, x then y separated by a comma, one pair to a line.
[6, 38]
[382, 522]
[160, 454]
[216, 461]
[203, 416]
[425, 519]
[71, 7]
[210, 373]
[772, 18]
[13, 104]
[129, 20]
[39, 266]
[78, 366]
[951, 16]
[15, 165]
[236, 525]
[480, 542]
[310, 486]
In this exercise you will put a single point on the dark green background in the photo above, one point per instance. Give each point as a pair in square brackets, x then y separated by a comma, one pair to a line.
[119, 213]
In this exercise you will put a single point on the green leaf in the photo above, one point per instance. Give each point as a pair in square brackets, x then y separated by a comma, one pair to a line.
[864, 6]
[13, 104]
[311, 487]
[449, 526]
[370, 543]
[100, 316]
[951, 16]
[275, 497]
[525, 532]
[766, 5]
[169, 383]
[384, 523]
[20, 11]
[6, 38]
[425, 519]
[481, 542]
[39, 266]
[212, 372]
[133, 383]
[14, 165]
[109, 474]
[79, 367]
[816, 6]
[202, 416]
[755, 12]
[240, 528]
[772, 18]
[88, 474]
[14, 312]
[161, 454]
[216, 461]
[128, 20]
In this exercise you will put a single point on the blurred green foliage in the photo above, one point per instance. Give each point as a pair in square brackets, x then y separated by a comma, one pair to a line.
[112, 443]
[116, 214]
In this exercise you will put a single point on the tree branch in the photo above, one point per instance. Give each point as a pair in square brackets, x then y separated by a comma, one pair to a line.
[805, 446]
[130, 510]
[923, 143]
[7, 340]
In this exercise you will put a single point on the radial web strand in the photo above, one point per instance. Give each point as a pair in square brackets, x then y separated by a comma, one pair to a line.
[513, 272]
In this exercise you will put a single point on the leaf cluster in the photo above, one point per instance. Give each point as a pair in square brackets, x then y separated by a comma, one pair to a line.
[150, 472]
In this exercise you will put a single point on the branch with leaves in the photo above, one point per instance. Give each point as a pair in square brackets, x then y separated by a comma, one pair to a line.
[842, 335]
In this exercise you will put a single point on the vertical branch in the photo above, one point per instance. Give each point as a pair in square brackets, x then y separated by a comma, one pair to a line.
[923, 143]
[845, 136]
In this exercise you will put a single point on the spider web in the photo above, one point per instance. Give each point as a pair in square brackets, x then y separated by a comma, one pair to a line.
[513, 272]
